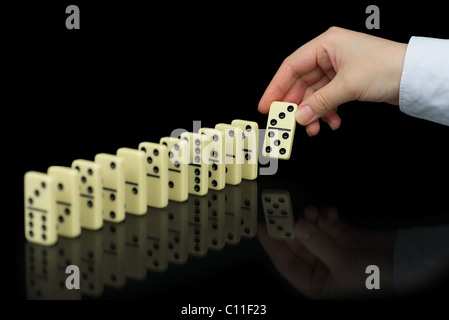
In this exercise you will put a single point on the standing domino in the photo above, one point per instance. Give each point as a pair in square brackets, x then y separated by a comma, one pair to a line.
[178, 168]
[40, 209]
[250, 147]
[135, 184]
[156, 173]
[67, 200]
[214, 156]
[280, 130]
[91, 188]
[233, 138]
[198, 169]
[113, 173]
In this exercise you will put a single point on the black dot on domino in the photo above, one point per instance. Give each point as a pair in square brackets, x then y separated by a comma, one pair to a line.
[171, 184]
[282, 115]
[290, 108]
[156, 152]
[134, 190]
[112, 165]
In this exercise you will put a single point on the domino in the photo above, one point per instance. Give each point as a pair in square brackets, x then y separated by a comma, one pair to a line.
[157, 239]
[280, 130]
[114, 254]
[250, 147]
[135, 247]
[278, 212]
[178, 168]
[197, 225]
[40, 274]
[113, 174]
[135, 184]
[198, 169]
[214, 156]
[248, 191]
[91, 266]
[216, 219]
[91, 193]
[67, 200]
[233, 214]
[177, 232]
[68, 254]
[156, 173]
[233, 138]
[40, 208]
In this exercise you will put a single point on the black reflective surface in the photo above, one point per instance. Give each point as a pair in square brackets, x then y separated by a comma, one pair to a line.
[375, 190]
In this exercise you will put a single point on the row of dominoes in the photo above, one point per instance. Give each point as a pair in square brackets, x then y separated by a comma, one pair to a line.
[65, 199]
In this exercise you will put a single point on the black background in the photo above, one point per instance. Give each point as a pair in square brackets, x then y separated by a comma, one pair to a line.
[134, 72]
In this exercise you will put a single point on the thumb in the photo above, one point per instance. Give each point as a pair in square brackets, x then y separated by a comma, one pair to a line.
[322, 101]
[321, 245]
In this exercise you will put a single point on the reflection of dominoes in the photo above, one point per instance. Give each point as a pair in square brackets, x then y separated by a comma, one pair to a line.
[216, 219]
[91, 188]
[113, 173]
[197, 229]
[135, 246]
[233, 214]
[280, 130]
[67, 200]
[40, 208]
[40, 271]
[177, 232]
[91, 270]
[214, 156]
[278, 213]
[249, 208]
[233, 137]
[250, 147]
[156, 173]
[68, 254]
[198, 169]
[157, 232]
[135, 184]
[114, 254]
[178, 168]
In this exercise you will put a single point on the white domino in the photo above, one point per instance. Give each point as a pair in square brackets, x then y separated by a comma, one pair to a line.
[198, 169]
[233, 137]
[178, 168]
[67, 196]
[40, 208]
[280, 130]
[156, 163]
[113, 173]
[250, 147]
[214, 156]
[278, 211]
[135, 184]
[91, 193]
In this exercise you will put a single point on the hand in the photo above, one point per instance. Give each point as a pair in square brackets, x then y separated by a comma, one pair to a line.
[336, 67]
[328, 258]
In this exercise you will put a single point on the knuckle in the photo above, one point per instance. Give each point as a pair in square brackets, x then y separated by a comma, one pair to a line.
[321, 105]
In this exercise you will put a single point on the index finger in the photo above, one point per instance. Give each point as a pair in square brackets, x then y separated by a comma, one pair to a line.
[298, 63]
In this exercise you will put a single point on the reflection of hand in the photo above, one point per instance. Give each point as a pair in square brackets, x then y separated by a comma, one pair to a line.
[328, 259]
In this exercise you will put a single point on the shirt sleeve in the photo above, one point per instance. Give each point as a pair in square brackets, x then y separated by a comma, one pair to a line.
[424, 88]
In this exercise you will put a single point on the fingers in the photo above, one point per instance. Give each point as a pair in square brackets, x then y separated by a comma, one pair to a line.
[322, 101]
[296, 65]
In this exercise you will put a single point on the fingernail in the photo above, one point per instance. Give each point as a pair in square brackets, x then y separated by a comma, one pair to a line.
[304, 115]
[303, 230]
